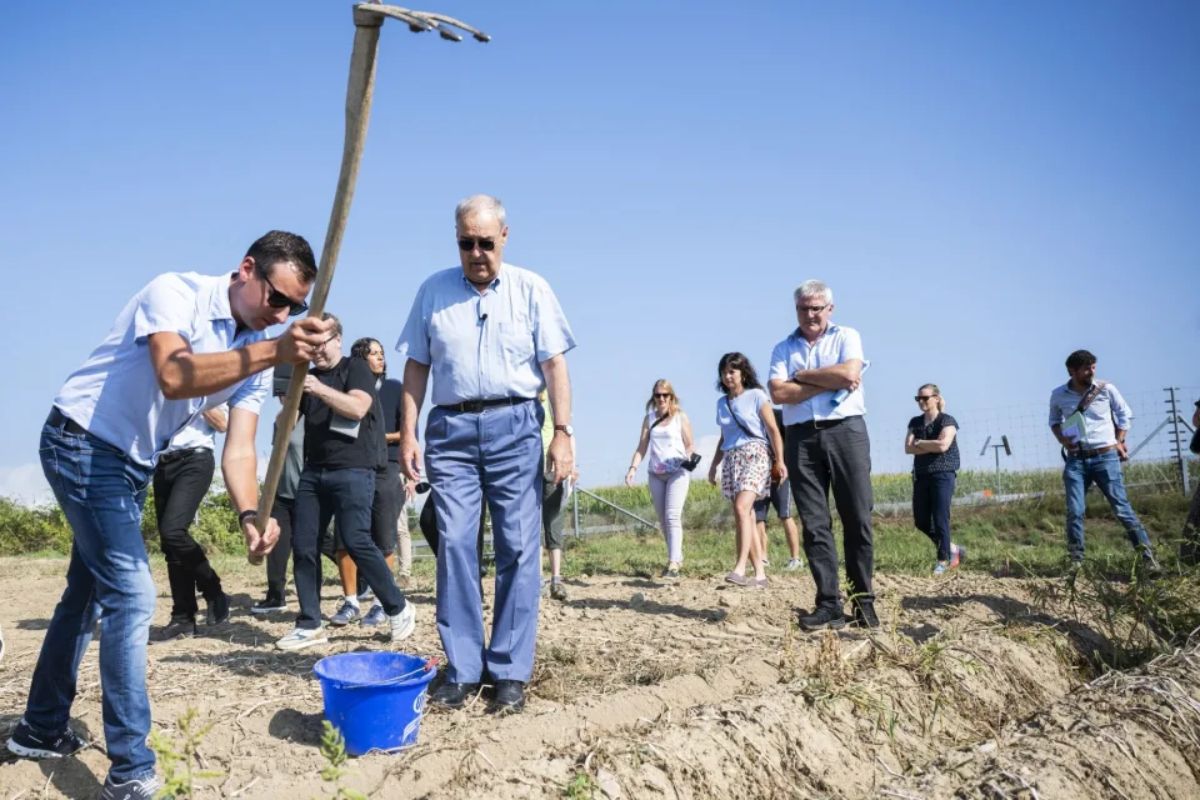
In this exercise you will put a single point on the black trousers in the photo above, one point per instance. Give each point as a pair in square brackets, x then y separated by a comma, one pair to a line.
[277, 559]
[837, 458]
[181, 480]
[932, 495]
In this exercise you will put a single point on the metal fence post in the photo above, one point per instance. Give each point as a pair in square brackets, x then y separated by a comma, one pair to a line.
[575, 505]
[1177, 437]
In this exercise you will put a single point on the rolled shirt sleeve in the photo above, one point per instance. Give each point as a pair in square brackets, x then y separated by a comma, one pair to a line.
[253, 392]
[1122, 413]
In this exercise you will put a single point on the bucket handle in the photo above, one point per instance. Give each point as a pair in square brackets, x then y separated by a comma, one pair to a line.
[430, 663]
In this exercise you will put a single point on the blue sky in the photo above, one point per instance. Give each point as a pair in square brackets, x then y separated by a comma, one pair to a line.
[986, 186]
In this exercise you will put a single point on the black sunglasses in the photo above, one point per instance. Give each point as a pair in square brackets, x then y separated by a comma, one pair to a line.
[467, 244]
[661, 395]
[921, 397]
[277, 299]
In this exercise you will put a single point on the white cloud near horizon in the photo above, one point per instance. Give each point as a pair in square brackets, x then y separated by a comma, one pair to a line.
[25, 485]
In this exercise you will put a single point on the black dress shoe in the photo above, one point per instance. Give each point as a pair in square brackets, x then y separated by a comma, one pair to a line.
[824, 617]
[178, 628]
[864, 615]
[218, 610]
[454, 695]
[508, 698]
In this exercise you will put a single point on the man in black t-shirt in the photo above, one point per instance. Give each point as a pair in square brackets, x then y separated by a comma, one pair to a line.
[343, 436]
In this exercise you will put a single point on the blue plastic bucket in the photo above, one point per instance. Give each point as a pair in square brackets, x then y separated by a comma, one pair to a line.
[375, 699]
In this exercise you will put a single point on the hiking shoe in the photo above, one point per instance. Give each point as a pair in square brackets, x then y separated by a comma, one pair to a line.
[404, 623]
[558, 590]
[180, 628]
[27, 743]
[793, 564]
[941, 568]
[864, 615]
[131, 790]
[301, 638]
[824, 617]
[958, 554]
[268, 605]
[375, 616]
[670, 572]
[346, 614]
[218, 610]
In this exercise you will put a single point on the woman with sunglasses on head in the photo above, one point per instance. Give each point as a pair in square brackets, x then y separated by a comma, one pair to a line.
[751, 449]
[933, 442]
[667, 436]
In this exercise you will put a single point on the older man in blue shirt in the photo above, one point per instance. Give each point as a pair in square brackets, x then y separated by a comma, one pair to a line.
[816, 373]
[492, 335]
[184, 343]
[1090, 419]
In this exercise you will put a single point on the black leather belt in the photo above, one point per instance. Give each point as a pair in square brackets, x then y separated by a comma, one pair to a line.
[175, 455]
[1091, 453]
[475, 406]
[820, 424]
[57, 419]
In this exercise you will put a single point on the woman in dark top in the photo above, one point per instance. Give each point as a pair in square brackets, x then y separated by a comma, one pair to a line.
[933, 443]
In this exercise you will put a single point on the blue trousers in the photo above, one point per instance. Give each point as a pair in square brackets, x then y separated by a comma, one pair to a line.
[494, 455]
[1105, 471]
[101, 492]
[932, 493]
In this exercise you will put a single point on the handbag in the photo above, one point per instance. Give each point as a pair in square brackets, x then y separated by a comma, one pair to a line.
[673, 465]
[776, 473]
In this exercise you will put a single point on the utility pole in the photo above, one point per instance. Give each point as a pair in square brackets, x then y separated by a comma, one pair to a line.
[1177, 436]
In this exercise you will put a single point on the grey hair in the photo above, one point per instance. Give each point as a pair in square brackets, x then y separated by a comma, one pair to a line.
[811, 288]
[479, 203]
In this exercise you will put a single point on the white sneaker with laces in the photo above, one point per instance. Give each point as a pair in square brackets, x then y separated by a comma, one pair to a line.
[404, 623]
[301, 638]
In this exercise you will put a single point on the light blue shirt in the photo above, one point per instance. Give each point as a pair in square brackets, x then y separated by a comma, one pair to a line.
[747, 406]
[836, 346]
[198, 434]
[115, 394]
[1098, 418]
[485, 346]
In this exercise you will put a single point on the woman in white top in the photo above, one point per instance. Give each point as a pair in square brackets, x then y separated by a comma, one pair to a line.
[667, 435]
[752, 451]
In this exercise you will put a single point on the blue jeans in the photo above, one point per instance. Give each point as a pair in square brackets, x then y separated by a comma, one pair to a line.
[1105, 471]
[932, 493]
[101, 492]
[346, 496]
[494, 455]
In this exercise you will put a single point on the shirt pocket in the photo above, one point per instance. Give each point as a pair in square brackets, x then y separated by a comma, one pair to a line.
[516, 341]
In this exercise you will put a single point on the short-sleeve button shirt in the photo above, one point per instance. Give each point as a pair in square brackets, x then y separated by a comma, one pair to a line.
[485, 346]
[115, 394]
[837, 345]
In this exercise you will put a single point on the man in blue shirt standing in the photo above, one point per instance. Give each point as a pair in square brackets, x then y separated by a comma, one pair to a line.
[816, 374]
[492, 335]
[184, 344]
[1090, 419]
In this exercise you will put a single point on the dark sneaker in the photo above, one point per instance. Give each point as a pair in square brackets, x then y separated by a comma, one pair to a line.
[558, 590]
[454, 695]
[26, 743]
[825, 617]
[864, 615]
[218, 610]
[269, 605]
[375, 617]
[180, 628]
[508, 698]
[1150, 565]
[146, 788]
[346, 614]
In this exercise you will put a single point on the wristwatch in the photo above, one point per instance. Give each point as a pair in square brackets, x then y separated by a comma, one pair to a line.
[567, 429]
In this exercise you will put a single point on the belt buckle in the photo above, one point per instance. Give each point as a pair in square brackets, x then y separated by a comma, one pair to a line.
[822, 424]
[472, 406]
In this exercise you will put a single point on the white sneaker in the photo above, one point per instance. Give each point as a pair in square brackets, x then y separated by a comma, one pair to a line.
[793, 565]
[404, 623]
[301, 638]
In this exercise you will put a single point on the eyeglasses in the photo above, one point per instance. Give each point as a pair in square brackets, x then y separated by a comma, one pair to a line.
[923, 397]
[467, 244]
[813, 309]
[277, 299]
[662, 395]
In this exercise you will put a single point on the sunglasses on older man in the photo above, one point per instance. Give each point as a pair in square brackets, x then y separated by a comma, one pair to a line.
[277, 299]
[467, 244]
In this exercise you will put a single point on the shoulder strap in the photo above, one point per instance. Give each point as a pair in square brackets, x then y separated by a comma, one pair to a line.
[1089, 396]
[739, 422]
[657, 422]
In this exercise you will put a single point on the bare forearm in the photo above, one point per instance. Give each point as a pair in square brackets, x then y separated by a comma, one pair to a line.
[416, 376]
[791, 393]
[838, 376]
[184, 374]
[354, 404]
[241, 480]
[558, 388]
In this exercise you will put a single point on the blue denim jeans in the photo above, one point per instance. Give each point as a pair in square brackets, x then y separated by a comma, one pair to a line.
[1105, 471]
[101, 492]
[344, 495]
